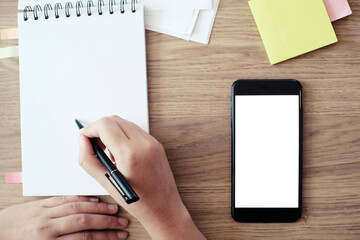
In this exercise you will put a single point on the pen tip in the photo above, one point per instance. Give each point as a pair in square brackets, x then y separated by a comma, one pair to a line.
[80, 126]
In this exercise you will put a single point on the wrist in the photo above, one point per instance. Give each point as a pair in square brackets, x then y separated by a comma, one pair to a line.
[178, 225]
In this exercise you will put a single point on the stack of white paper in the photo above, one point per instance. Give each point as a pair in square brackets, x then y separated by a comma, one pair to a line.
[187, 19]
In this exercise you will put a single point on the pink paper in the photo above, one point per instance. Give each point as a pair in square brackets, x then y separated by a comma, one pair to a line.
[6, 34]
[13, 177]
[337, 9]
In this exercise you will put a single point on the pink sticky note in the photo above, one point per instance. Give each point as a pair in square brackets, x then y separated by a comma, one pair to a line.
[6, 34]
[13, 177]
[337, 9]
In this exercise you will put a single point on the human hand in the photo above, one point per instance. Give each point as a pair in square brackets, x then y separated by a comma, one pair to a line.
[62, 218]
[143, 162]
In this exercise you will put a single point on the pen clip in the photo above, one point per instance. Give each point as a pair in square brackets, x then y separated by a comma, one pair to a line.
[126, 198]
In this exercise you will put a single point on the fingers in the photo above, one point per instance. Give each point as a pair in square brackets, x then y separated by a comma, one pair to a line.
[83, 207]
[57, 201]
[89, 161]
[109, 133]
[81, 222]
[113, 132]
[95, 235]
[117, 135]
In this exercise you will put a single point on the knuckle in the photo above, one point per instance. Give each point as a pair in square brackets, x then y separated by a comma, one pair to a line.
[148, 146]
[106, 121]
[99, 208]
[109, 220]
[75, 207]
[64, 198]
[83, 220]
[152, 147]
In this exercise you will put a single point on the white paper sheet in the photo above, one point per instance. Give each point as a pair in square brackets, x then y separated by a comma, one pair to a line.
[77, 67]
[182, 22]
[204, 25]
[202, 30]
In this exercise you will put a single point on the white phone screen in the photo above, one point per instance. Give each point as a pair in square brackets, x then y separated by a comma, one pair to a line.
[266, 151]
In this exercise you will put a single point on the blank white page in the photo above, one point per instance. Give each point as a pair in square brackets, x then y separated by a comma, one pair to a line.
[82, 67]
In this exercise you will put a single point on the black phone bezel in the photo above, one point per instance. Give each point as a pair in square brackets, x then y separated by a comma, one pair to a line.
[266, 87]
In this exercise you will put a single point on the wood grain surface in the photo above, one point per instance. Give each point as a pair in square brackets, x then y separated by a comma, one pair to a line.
[189, 101]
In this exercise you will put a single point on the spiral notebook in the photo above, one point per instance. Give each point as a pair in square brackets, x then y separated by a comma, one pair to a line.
[81, 61]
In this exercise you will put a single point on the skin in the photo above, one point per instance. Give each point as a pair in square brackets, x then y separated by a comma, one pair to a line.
[143, 162]
[62, 218]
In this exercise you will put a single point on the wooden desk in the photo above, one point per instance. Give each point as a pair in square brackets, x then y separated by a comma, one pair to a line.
[189, 101]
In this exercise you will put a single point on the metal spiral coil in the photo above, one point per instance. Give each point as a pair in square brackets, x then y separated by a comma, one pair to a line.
[46, 9]
[26, 10]
[78, 6]
[89, 5]
[56, 9]
[133, 7]
[68, 5]
[36, 7]
[100, 4]
[122, 6]
[111, 4]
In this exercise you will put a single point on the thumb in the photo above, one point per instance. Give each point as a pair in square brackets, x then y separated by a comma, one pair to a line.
[89, 161]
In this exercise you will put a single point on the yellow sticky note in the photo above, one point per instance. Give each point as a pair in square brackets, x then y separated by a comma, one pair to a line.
[289, 28]
[9, 52]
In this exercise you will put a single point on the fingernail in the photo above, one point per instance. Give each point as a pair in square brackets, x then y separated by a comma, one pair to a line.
[122, 235]
[112, 207]
[94, 199]
[123, 221]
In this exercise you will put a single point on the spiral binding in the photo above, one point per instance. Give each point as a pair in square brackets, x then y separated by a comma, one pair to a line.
[111, 4]
[26, 10]
[100, 4]
[68, 5]
[46, 7]
[78, 6]
[56, 9]
[36, 7]
[89, 5]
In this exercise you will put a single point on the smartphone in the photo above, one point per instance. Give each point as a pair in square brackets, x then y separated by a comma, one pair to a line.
[266, 170]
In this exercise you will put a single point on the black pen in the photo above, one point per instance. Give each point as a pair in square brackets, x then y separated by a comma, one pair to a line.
[125, 190]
